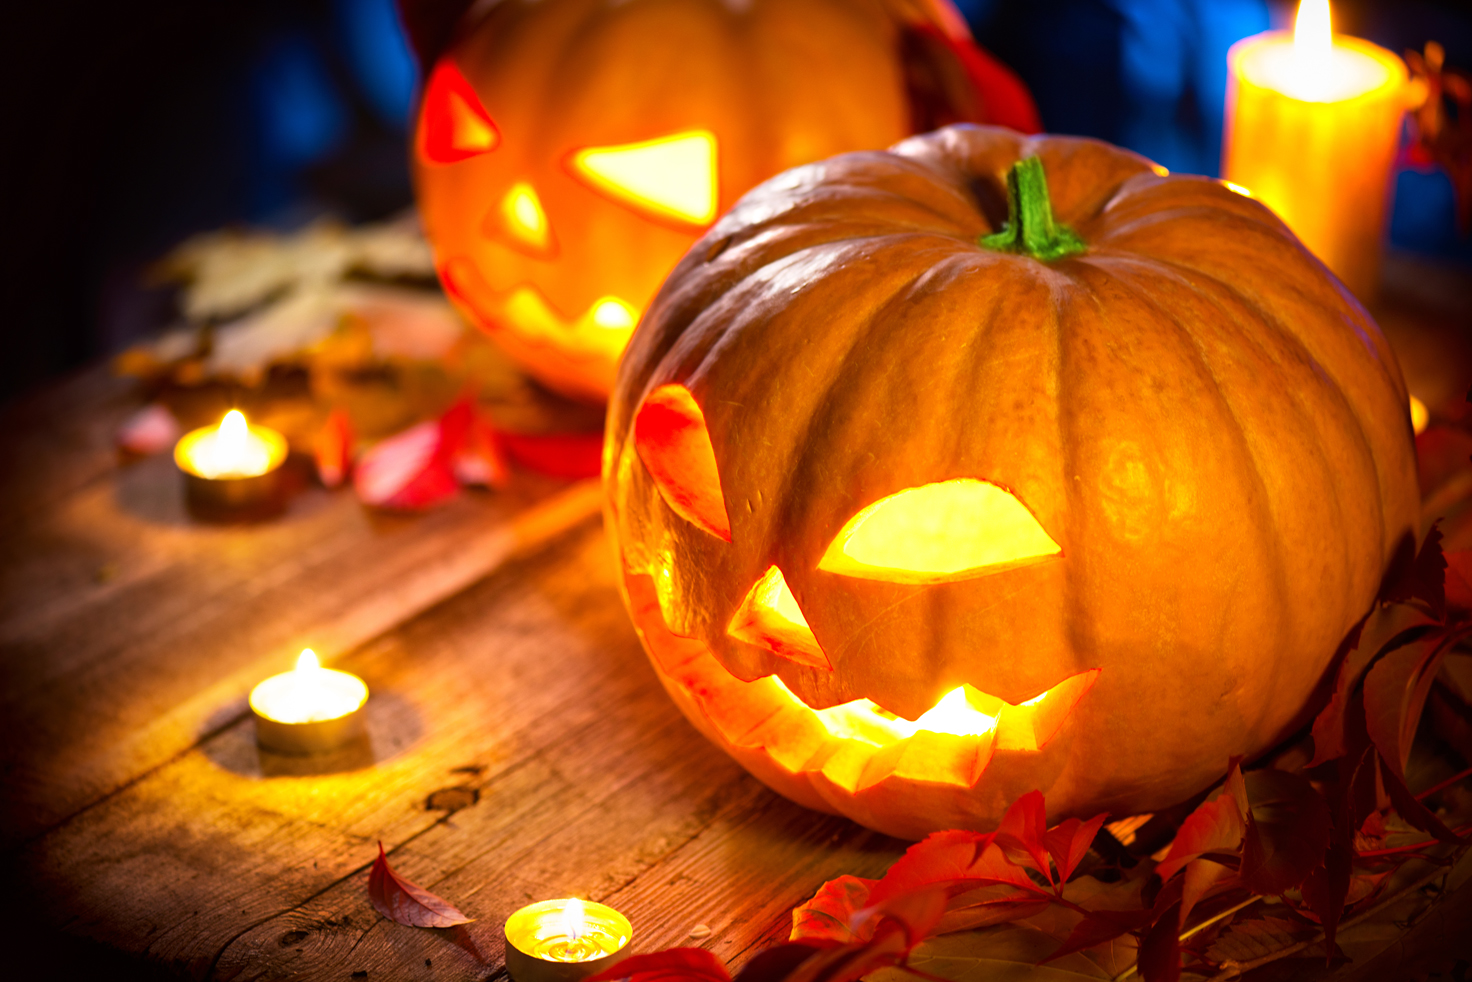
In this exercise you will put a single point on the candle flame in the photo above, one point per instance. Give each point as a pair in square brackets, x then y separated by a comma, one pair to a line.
[1312, 31]
[307, 661]
[1312, 50]
[574, 922]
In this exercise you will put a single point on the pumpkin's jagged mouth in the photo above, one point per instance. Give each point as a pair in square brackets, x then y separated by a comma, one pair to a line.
[604, 328]
[856, 744]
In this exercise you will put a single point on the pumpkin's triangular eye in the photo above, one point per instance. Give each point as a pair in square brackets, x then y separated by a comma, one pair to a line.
[770, 616]
[671, 439]
[673, 177]
[453, 124]
[950, 530]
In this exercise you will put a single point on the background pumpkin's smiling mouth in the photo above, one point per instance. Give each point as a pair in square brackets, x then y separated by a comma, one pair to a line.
[604, 327]
[856, 744]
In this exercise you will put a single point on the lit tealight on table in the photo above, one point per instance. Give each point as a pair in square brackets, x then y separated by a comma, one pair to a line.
[232, 470]
[564, 940]
[309, 710]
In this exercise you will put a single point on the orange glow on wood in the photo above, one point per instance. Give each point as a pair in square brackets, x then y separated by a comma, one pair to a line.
[453, 125]
[671, 439]
[673, 177]
[949, 530]
[525, 221]
[770, 617]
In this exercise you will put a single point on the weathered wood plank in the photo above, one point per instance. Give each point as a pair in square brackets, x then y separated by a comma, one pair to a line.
[105, 676]
[530, 690]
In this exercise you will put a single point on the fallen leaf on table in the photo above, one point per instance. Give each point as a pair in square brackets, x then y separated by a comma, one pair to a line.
[481, 462]
[406, 472]
[333, 449]
[150, 430]
[404, 903]
[670, 965]
[570, 456]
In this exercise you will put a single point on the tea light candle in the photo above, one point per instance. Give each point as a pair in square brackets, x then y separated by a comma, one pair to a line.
[1313, 122]
[232, 470]
[564, 940]
[309, 710]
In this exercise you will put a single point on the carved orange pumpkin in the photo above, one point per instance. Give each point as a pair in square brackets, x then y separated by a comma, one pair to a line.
[917, 515]
[568, 152]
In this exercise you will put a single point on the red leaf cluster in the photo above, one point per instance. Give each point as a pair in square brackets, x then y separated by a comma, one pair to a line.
[1313, 835]
[429, 462]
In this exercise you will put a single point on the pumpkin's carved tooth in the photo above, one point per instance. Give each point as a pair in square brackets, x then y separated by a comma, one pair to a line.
[769, 616]
[671, 439]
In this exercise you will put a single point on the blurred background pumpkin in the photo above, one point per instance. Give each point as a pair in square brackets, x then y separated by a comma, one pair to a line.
[134, 126]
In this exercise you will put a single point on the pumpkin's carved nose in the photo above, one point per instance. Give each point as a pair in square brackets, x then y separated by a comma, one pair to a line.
[520, 221]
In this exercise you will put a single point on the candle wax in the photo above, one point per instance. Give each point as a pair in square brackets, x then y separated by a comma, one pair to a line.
[309, 694]
[1313, 134]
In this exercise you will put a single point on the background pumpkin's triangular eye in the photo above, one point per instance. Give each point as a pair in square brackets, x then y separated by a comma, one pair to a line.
[770, 616]
[673, 177]
[453, 125]
[671, 439]
[950, 530]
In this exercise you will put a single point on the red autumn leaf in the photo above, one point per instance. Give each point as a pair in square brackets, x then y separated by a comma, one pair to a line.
[1287, 831]
[1396, 688]
[828, 914]
[776, 964]
[1216, 826]
[406, 472]
[1160, 951]
[1459, 580]
[1327, 888]
[988, 905]
[915, 913]
[150, 430]
[1203, 878]
[1382, 631]
[1418, 575]
[1020, 835]
[890, 931]
[1409, 807]
[1441, 454]
[402, 902]
[670, 965]
[570, 456]
[333, 449]
[1069, 842]
[481, 461]
[1099, 926]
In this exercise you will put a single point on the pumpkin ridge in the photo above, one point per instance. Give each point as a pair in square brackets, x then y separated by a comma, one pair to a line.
[1247, 459]
[1282, 328]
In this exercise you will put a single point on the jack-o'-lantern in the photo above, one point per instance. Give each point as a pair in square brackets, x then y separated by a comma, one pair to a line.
[568, 152]
[987, 464]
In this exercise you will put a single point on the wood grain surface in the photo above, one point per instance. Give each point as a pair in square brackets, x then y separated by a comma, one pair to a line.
[520, 748]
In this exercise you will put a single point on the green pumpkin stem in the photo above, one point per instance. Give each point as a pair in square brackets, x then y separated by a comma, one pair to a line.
[1031, 229]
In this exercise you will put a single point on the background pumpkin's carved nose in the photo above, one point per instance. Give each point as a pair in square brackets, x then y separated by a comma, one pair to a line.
[671, 439]
[770, 617]
[520, 221]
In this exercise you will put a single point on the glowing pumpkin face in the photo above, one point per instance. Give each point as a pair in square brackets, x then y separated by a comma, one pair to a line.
[915, 517]
[568, 152]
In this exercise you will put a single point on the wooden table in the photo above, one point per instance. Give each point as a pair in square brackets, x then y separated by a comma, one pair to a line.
[521, 747]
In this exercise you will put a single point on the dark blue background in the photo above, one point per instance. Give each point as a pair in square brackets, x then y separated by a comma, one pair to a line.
[131, 126]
